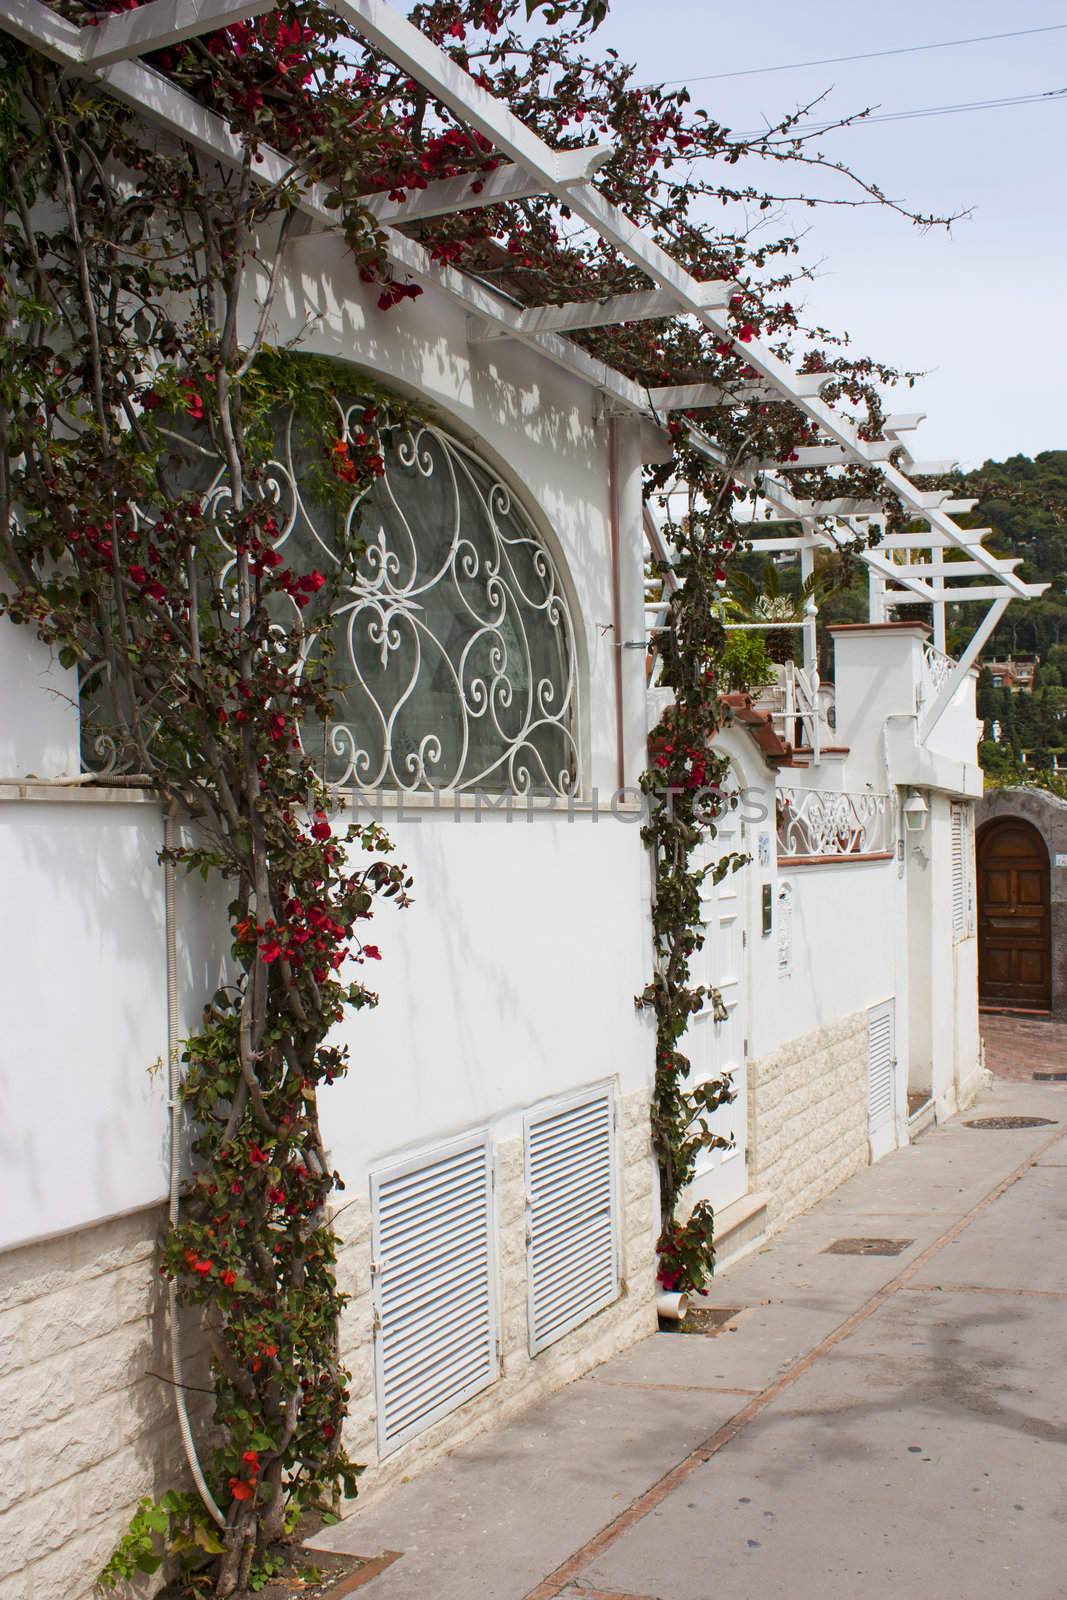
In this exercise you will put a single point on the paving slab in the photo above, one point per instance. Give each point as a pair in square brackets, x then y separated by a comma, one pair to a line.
[1013, 1245]
[495, 1516]
[924, 1455]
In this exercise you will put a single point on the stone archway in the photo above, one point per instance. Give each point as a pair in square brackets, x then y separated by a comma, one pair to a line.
[1046, 815]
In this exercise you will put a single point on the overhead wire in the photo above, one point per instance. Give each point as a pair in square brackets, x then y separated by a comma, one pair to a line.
[869, 55]
[906, 116]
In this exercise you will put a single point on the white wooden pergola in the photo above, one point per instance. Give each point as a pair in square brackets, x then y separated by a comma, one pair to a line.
[935, 565]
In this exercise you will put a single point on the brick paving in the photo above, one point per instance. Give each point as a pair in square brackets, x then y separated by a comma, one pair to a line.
[1017, 1047]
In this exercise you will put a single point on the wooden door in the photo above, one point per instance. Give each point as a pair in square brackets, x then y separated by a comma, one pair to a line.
[1014, 921]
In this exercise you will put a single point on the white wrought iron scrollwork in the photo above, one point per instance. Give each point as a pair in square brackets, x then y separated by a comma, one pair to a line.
[822, 822]
[454, 643]
[456, 637]
[937, 666]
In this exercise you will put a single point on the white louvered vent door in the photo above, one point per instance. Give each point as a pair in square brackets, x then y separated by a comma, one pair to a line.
[572, 1214]
[881, 1065]
[435, 1334]
[962, 856]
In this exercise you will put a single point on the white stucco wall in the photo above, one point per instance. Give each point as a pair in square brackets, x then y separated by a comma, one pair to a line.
[512, 976]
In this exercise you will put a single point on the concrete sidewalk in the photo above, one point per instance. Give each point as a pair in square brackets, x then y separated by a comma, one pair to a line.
[864, 1426]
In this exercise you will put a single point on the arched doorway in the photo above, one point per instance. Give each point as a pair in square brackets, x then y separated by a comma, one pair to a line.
[1014, 917]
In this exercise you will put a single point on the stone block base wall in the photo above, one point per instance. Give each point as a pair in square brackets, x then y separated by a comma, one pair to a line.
[807, 1117]
[86, 1429]
[523, 1378]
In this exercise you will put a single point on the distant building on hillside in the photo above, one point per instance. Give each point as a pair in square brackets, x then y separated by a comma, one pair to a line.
[1016, 673]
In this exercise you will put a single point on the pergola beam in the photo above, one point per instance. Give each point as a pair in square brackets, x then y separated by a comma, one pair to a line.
[947, 692]
[964, 592]
[706, 396]
[952, 569]
[161, 24]
[933, 540]
[826, 455]
[448, 196]
[642, 305]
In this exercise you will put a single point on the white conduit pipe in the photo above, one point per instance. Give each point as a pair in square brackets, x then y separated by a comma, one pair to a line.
[173, 1106]
[672, 1306]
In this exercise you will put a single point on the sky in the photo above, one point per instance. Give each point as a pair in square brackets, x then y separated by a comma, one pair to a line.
[981, 309]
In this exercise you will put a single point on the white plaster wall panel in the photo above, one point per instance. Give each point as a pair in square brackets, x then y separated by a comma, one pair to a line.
[82, 1124]
[958, 730]
[495, 993]
[82, 1114]
[511, 979]
[847, 919]
[877, 673]
[39, 733]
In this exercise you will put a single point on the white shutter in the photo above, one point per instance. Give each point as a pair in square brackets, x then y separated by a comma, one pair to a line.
[572, 1253]
[881, 1065]
[962, 856]
[435, 1339]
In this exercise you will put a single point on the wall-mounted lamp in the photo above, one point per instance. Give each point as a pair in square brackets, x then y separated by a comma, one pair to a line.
[916, 813]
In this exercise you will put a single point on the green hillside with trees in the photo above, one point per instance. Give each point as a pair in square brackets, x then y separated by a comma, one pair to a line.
[1024, 501]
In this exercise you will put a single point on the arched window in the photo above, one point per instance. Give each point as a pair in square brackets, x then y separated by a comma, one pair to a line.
[455, 646]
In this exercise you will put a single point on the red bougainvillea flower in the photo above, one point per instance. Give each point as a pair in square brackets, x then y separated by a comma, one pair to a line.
[241, 1490]
[327, 1430]
[372, 952]
[194, 403]
[270, 952]
[228, 1278]
[257, 1157]
[746, 333]
[251, 1460]
[320, 828]
[149, 400]
[203, 1267]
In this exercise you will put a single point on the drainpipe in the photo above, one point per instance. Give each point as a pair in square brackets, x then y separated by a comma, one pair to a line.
[616, 598]
[170, 839]
[671, 1307]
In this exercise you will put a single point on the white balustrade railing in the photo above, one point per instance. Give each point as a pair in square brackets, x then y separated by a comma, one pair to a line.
[801, 708]
[936, 668]
[815, 823]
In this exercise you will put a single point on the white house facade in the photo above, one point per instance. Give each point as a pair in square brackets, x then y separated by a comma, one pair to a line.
[500, 1215]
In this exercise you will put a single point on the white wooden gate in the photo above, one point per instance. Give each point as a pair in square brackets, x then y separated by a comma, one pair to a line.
[718, 1047]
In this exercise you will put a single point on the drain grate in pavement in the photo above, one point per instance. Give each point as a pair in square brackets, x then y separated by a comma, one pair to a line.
[1050, 1077]
[1011, 1122]
[709, 1320]
[867, 1247]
